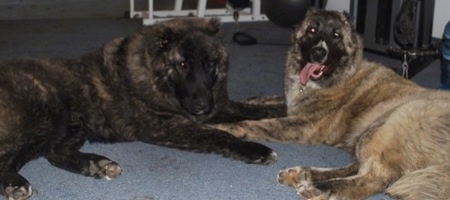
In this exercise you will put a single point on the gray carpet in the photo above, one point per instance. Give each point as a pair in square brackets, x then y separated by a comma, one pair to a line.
[158, 173]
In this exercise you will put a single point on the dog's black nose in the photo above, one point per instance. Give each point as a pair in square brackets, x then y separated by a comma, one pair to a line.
[201, 107]
[318, 54]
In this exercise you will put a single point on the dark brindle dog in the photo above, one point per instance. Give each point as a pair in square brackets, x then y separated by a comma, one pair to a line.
[156, 86]
[399, 132]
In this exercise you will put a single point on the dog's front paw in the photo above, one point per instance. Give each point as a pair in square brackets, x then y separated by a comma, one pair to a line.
[14, 186]
[104, 169]
[255, 153]
[15, 192]
[300, 179]
[290, 176]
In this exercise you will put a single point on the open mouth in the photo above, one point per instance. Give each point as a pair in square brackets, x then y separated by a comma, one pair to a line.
[312, 71]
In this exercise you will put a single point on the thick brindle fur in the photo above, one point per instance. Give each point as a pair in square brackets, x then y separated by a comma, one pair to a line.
[398, 131]
[157, 86]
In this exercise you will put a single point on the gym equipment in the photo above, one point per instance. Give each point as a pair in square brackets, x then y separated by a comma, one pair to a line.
[397, 28]
[239, 4]
[240, 37]
[151, 16]
[287, 13]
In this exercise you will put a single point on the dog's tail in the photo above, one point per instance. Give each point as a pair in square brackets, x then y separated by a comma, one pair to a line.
[429, 183]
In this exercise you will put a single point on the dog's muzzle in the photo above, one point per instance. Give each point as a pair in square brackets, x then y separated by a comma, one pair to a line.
[316, 68]
[319, 54]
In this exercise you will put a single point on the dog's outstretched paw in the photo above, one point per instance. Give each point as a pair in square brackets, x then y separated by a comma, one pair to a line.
[18, 192]
[254, 153]
[300, 179]
[309, 192]
[289, 176]
[104, 169]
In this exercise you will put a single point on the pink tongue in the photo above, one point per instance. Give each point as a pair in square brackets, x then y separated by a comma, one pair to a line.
[311, 69]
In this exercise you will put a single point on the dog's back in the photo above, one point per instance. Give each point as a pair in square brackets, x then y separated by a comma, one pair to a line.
[416, 134]
[30, 107]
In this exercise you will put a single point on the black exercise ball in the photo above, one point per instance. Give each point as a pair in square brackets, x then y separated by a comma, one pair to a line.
[239, 4]
[288, 13]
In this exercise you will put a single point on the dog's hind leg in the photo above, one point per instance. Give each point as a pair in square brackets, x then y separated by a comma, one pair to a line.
[429, 183]
[378, 163]
[66, 155]
[290, 176]
[13, 186]
[87, 164]
[333, 183]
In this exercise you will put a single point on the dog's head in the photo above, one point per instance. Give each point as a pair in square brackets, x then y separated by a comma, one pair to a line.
[324, 47]
[179, 66]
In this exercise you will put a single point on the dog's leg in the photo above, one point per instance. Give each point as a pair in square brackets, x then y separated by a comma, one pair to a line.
[288, 176]
[207, 140]
[86, 164]
[252, 109]
[291, 129]
[378, 166]
[303, 128]
[339, 183]
[305, 179]
[266, 100]
[66, 155]
[13, 156]
[13, 186]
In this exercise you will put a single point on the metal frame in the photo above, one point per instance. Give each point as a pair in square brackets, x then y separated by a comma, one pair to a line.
[424, 21]
[152, 16]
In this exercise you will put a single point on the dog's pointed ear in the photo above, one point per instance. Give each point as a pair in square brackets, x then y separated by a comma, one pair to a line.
[214, 27]
[312, 10]
[165, 36]
[159, 35]
[110, 49]
[346, 17]
[112, 55]
[113, 45]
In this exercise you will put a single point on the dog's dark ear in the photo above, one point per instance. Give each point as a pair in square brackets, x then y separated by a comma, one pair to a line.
[165, 36]
[111, 54]
[110, 48]
[160, 35]
[312, 10]
[215, 27]
[346, 17]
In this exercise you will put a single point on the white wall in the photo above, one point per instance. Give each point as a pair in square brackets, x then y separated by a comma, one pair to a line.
[440, 19]
[339, 5]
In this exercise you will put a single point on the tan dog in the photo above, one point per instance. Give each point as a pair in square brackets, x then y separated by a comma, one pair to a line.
[398, 131]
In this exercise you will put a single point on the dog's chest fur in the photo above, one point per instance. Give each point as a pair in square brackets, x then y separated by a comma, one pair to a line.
[350, 106]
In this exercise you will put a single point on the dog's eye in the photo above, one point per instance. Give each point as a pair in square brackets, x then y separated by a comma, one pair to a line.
[211, 68]
[163, 43]
[312, 29]
[336, 34]
[183, 65]
[211, 63]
